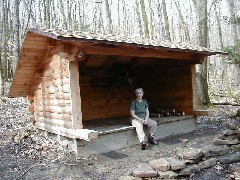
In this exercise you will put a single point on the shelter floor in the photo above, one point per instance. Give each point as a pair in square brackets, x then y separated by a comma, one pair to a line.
[108, 125]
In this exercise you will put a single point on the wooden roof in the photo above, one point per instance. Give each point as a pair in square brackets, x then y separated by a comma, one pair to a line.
[109, 38]
[38, 42]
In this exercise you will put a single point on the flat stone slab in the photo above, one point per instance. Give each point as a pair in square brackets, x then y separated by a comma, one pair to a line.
[189, 153]
[229, 132]
[214, 150]
[160, 164]
[129, 178]
[218, 141]
[235, 167]
[231, 126]
[208, 163]
[176, 164]
[236, 176]
[229, 158]
[189, 170]
[143, 170]
[192, 161]
[229, 137]
[167, 174]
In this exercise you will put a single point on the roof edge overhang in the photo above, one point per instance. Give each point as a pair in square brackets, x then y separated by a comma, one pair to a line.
[56, 36]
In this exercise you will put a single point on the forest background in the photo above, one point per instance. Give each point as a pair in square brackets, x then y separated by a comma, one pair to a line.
[210, 23]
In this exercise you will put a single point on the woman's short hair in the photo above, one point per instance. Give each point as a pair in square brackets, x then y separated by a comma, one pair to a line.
[138, 89]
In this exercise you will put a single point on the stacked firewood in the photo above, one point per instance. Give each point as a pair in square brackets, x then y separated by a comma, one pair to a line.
[160, 112]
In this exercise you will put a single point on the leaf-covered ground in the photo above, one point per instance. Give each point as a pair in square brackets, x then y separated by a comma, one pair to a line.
[24, 154]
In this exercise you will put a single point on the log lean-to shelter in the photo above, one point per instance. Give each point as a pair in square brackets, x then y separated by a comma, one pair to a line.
[80, 85]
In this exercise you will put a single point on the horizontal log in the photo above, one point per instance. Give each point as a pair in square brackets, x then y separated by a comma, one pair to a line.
[54, 109]
[203, 112]
[65, 117]
[56, 102]
[57, 95]
[31, 108]
[56, 122]
[133, 51]
[84, 134]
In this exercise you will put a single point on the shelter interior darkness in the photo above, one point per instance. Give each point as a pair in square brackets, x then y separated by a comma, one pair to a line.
[107, 85]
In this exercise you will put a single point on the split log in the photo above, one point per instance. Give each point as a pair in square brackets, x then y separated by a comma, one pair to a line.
[56, 122]
[227, 103]
[55, 109]
[31, 108]
[84, 134]
[56, 102]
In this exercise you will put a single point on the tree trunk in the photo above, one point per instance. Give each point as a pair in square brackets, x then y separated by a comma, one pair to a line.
[183, 23]
[167, 29]
[109, 20]
[17, 32]
[225, 81]
[138, 18]
[202, 14]
[151, 19]
[233, 20]
[145, 19]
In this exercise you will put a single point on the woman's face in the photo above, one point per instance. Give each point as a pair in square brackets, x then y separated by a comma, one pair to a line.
[139, 94]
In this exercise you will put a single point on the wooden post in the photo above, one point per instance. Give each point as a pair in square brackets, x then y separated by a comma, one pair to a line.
[194, 88]
[75, 95]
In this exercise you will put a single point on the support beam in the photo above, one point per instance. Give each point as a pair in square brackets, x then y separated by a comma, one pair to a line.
[75, 95]
[120, 50]
[84, 134]
[194, 88]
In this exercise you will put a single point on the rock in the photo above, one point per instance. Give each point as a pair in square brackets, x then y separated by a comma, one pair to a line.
[176, 164]
[208, 163]
[64, 143]
[218, 141]
[160, 164]
[236, 176]
[229, 137]
[235, 167]
[231, 126]
[192, 161]
[238, 112]
[144, 170]
[236, 147]
[129, 178]
[184, 140]
[189, 170]
[189, 153]
[213, 150]
[229, 158]
[229, 132]
[167, 174]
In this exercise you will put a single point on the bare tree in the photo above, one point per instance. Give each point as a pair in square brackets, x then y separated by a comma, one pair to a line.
[108, 14]
[145, 18]
[167, 29]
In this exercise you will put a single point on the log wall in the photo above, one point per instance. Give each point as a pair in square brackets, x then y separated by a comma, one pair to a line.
[168, 87]
[165, 87]
[104, 102]
[51, 90]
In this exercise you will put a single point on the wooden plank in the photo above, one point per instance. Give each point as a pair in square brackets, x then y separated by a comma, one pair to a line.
[195, 101]
[75, 95]
[84, 134]
[95, 48]
[50, 121]
[203, 112]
